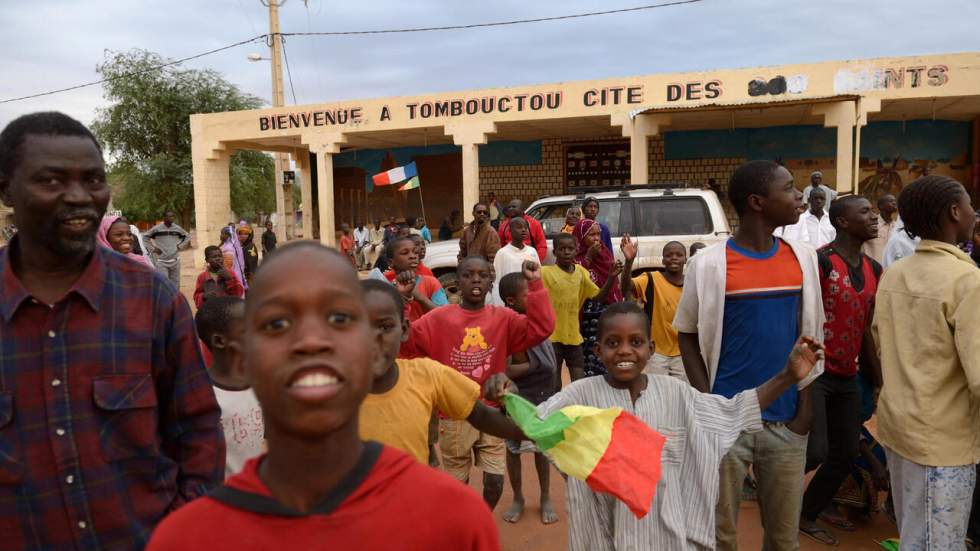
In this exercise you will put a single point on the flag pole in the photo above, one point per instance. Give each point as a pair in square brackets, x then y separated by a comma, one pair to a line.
[422, 202]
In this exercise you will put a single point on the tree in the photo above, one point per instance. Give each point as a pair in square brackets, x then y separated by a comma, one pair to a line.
[146, 134]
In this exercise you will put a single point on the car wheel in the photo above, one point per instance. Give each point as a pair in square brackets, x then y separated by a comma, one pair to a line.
[451, 285]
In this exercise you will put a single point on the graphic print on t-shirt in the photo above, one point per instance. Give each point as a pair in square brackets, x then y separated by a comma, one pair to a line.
[473, 356]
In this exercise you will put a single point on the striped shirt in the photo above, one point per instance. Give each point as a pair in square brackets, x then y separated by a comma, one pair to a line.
[700, 428]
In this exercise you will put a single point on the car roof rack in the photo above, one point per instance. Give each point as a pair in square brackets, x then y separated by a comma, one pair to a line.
[668, 187]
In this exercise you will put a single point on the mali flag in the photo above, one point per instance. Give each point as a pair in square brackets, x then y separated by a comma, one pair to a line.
[610, 449]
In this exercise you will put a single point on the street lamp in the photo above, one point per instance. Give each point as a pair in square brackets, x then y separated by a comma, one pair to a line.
[256, 57]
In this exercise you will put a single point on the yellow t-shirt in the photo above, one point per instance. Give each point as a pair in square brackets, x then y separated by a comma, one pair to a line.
[567, 291]
[400, 417]
[666, 296]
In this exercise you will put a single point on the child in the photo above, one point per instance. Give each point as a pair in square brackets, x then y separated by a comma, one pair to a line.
[699, 428]
[476, 340]
[216, 280]
[659, 292]
[695, 247]
[346, 244]
[422, 293]
[396, 412]
[511, 258]
[569, 286]
[309, 353]
[219, 322]
[420, 247]
[534, 373]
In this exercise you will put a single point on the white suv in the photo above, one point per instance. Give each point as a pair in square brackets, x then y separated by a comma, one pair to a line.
[653, 215]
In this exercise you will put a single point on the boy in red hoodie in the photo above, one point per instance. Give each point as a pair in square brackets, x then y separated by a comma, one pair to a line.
[476, 340]
[310, 353]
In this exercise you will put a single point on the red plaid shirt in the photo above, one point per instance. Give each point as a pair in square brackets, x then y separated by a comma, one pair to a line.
[107, 416]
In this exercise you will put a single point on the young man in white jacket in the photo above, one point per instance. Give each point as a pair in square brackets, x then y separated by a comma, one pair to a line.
[744, 304]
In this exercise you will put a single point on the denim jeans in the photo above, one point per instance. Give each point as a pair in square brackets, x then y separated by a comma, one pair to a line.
[777, 456]
[932, 504]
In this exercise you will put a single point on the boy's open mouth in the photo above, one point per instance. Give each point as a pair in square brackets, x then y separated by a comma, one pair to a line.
[315, 383]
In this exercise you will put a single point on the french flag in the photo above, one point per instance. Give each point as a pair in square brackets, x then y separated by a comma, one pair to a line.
[396, 175]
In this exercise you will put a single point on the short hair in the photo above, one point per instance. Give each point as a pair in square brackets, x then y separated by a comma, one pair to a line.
[695, 247]
[881, 199]
[622, 309]
[840, 205]
[517, 220]
[590, 200]
[214, 316]
[314, 246]
[818, 191]
[46, 123]
[410, 221]
[209, 248]
[922, 203]
[378, 286]
[752, 178]
[510, 285]
[678, 243]
[471, 258]
[562, 237]
[481, 204]
[416, 237]
[393, 244]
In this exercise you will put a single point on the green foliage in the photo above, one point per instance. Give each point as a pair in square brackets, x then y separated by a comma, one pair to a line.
[146, 134]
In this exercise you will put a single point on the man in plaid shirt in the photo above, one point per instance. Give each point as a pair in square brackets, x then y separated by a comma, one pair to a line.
[107, 417]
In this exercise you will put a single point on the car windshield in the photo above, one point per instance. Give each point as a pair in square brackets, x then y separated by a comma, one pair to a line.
[673, 216]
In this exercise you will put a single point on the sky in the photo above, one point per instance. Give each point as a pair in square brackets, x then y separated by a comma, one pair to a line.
[50, 44]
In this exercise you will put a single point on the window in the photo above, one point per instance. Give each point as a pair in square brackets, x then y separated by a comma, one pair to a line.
[551, 216]
[674, 216]
[617, 215]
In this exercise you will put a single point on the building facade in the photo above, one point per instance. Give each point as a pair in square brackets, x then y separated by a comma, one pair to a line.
[869, 126]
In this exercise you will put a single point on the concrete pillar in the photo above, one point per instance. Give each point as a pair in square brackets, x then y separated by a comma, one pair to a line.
[325, 200]
[325, 146]
[212, 191]
[302, 157]
[469, 136]
[639, 129]
[280, 227]
[864, 107]
[842, 115]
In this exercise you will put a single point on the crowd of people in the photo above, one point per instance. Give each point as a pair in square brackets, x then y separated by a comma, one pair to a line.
[303, 406]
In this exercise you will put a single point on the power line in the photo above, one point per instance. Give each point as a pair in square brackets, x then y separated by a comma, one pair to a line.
[132, 73]
[289, 73]
[496, 23]
[350, 33]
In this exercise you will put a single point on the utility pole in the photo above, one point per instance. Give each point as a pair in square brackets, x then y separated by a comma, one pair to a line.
[284, 191]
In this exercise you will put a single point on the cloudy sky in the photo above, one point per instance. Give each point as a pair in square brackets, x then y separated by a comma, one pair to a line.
[49, 44]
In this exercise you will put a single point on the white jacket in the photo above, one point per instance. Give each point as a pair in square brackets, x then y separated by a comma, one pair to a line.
[702, 306]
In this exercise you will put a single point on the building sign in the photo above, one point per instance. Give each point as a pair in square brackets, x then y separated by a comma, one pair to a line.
[864, 80]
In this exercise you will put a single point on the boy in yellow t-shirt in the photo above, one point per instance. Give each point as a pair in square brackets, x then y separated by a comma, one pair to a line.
[402, 397]
[659, 293]
[569, 285]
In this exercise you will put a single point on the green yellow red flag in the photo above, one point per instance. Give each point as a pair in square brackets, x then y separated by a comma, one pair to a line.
[609, 449]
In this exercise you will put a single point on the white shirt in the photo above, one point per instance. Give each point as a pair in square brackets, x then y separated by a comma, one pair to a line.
[361, 237]
[819, 231]
[795, 231]
[700, 429]
[241, 420]
[508, 260]
[875, 248]
[702, 306]
[829, 193]
[899, 245]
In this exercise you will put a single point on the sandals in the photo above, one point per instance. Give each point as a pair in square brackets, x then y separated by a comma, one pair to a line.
[838, 522]
[820, 535]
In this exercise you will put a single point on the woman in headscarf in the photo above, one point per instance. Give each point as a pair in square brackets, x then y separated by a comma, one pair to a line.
[231, 248]
[246, 238]
[590, 209]
[114, 234]
[599, 260]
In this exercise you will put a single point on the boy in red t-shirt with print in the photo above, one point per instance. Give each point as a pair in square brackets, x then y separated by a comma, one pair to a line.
[310, 353]
[476, 340]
